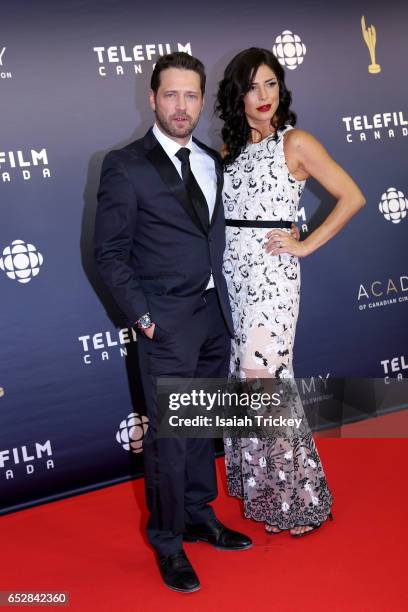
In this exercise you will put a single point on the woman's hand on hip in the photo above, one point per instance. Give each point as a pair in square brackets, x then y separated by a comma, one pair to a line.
[283, 242]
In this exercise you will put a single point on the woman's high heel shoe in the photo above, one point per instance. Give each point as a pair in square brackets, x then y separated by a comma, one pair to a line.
[313, 528]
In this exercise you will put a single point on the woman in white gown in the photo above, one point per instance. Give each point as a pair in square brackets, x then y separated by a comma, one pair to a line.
[266, 164]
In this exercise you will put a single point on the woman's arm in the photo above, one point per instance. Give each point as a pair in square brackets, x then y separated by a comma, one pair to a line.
[305, 157]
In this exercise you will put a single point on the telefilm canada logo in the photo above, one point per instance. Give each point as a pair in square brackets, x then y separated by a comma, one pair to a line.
[24, 165]
[101, 346]
[395, 367]
[4, 73]
[380, 126]
[382, 292]
[126, 59]
[25, 460]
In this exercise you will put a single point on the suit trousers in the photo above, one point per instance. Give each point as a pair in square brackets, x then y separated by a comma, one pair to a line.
[180, 478]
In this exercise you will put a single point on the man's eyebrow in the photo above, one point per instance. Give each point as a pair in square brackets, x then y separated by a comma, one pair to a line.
[186, 90]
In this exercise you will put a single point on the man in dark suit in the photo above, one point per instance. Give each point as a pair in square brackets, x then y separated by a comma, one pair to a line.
[159, 243]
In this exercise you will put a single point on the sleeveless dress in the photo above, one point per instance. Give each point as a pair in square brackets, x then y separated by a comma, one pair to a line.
[280, 480]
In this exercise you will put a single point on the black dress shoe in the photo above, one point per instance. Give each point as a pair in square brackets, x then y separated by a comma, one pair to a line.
[177, 572]
[215, 533]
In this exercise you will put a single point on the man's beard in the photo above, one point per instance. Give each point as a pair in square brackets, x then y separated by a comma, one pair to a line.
[173, 130]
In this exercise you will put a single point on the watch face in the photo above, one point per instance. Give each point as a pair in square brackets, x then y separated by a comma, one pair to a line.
[145, 321]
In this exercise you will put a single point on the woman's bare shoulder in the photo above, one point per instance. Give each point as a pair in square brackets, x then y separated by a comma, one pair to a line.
[298, 138]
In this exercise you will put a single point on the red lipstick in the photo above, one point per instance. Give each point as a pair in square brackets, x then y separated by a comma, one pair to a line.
[264, 109]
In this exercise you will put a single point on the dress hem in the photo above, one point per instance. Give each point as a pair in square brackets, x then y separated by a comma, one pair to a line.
[251, 516]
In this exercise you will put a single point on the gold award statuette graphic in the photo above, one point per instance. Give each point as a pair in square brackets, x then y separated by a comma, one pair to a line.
[370, 37]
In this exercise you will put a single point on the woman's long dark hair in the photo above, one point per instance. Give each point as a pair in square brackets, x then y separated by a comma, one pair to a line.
[229, 105]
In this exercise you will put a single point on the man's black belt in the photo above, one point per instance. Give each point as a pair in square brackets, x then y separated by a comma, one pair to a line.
[257, 223]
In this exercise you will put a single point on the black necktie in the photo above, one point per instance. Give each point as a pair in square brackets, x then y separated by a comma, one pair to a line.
[193, 188]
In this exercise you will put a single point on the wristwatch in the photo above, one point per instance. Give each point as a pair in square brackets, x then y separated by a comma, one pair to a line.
[145, 321]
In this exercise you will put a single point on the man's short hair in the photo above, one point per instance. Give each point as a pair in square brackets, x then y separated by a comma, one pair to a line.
[178, 59]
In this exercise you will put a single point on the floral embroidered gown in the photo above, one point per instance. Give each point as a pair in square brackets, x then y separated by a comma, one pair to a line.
[280, 480]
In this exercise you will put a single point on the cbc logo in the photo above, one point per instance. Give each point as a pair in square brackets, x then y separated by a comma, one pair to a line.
[132, 431]
[289, 49]
[393, 205]
[21, 261]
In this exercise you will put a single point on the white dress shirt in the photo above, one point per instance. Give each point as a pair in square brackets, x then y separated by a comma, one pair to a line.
[202, 166]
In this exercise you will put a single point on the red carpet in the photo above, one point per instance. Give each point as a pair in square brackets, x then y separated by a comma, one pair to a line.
[92, 546]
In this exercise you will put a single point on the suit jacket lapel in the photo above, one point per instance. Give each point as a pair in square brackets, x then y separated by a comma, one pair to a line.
[218, 198]
[165, 167]
[220, 176]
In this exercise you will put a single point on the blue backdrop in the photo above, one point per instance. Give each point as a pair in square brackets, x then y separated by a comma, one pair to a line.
[74, 77]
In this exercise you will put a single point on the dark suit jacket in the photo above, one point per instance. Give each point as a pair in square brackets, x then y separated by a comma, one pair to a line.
[150, 248]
